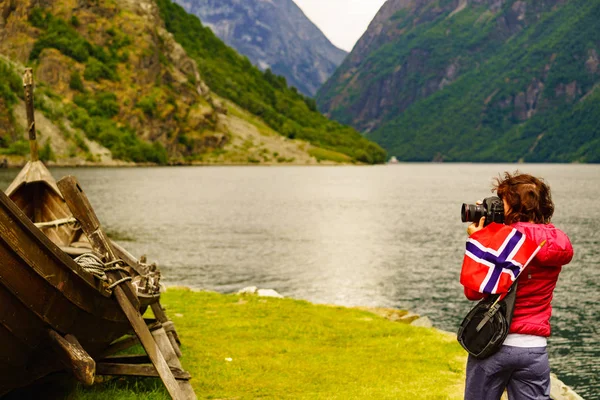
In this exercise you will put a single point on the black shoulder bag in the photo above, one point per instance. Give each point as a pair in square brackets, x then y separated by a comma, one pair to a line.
[485, 327]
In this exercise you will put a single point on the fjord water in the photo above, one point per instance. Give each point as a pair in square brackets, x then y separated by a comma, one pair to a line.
[387, 236]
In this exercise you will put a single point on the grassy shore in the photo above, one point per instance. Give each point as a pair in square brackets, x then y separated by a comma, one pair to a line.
[249, 347]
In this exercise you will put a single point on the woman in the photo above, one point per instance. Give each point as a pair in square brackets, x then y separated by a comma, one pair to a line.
[521, 366]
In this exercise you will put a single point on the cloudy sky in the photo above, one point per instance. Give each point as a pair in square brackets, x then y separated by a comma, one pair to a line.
[342, 21]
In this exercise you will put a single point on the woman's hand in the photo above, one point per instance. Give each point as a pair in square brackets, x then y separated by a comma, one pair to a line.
[475, 227]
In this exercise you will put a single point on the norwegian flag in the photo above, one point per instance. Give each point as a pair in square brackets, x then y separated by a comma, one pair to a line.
[494, 258]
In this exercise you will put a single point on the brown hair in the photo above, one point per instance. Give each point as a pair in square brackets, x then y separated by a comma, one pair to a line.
[528, 197]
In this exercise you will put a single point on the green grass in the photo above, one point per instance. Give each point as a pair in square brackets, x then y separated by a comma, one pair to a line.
[329, 155]
[246, 347]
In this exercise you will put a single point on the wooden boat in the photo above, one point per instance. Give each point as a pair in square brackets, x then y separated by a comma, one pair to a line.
[36, 193]
[42, 290]
[56, 314]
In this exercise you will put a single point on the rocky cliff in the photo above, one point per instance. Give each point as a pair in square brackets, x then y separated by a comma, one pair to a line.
[114, 86]
[462, 79]
[274, 35]
[112, 71]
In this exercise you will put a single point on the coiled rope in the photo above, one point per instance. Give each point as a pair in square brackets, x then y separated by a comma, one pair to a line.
[91, 263]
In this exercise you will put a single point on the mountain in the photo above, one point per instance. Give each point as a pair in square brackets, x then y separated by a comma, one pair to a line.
[111, 83]
[475, 80]
[115, 86]
[274, 35]
[265, 94]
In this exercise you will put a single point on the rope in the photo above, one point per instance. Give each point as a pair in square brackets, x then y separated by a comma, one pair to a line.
[91, 263]
[112, 285]
[56, 223]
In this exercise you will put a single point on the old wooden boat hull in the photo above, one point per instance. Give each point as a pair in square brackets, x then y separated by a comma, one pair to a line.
[42, 289]
[57, 314]
[35, 192]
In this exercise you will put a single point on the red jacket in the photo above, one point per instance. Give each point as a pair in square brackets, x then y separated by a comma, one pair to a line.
[538, 280]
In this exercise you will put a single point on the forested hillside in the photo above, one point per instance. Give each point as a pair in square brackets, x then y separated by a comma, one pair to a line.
[114, 86]
[264, 94]
[476, 81]
[107, 75]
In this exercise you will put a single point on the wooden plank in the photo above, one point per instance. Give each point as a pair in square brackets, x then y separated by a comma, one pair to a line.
[28, 91]
[126, 256]
[81, 208]
[20, 320]
[169, 326]
[164, 344]
[83, 211]
[142, 332]
[17, 230]
[74, 357]
[42, 282]
[136, 370]
[14, 352]
[157, 308]
[173, 338]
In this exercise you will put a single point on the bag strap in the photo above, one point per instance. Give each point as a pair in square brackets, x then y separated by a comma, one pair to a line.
[511, 295]
[510, 298]
[509, 301]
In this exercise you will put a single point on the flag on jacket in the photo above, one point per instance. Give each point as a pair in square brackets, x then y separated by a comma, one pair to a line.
[494, 258]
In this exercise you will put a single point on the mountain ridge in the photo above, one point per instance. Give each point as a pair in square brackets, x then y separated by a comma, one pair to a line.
[113, 87]
[465, 80]
[276, 36]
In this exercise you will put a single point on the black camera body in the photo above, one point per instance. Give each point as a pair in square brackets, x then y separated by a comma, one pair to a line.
[492, 209]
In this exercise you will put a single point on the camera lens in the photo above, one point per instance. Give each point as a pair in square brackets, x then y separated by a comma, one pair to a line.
[471, 212]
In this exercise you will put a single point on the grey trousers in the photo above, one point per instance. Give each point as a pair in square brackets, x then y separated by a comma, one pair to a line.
[524, 372]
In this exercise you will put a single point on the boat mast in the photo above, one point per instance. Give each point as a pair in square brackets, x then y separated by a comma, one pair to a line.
[28, 86]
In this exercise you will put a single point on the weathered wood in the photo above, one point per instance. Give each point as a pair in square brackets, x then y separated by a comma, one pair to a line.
[74, 357]
[84, 213]
[82, 210]
[28, 89]
[35, 192]
[169, 326]
[41, 287]
[173, 338]
[127, 342]
[157, 308]
[127, 257]
[142, 332]
[136, 370]
[163, 342]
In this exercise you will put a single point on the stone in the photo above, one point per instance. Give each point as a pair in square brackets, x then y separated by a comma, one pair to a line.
[269, 293]
[423, 322]
[248, 290]
[560, 391]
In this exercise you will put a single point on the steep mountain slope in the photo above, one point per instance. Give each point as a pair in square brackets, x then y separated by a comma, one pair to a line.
[113, 84]
[272, 34]
[263, 94]
[477, 80]
[110, 72]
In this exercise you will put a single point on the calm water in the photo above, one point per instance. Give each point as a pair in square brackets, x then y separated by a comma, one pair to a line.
[380, 236]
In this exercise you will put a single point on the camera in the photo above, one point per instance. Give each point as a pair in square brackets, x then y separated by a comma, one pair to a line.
[492, 209]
